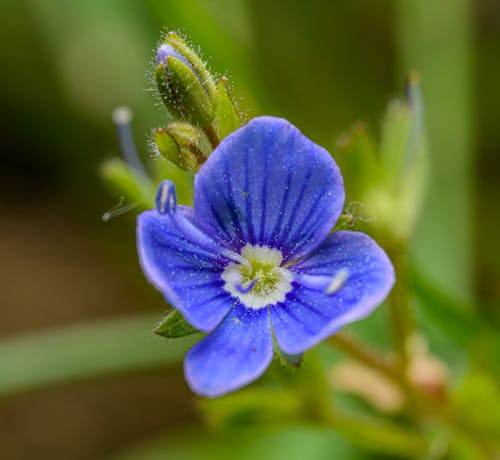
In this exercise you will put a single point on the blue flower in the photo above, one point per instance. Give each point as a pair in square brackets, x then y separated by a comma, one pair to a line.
[255, 257]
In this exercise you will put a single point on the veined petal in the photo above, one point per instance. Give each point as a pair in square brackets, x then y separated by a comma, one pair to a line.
[233, 355]
[267, 184]
[341, 282]
[185, 265]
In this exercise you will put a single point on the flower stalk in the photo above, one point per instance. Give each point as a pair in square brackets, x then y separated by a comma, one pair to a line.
[399, 308]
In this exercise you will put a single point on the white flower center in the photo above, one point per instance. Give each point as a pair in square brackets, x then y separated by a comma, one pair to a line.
[258, 280]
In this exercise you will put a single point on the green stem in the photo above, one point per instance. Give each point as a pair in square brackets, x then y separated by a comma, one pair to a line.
[400, 314]
[383, 436]
[83, 351]
[419, 402]
[368, 355]
[422, 405]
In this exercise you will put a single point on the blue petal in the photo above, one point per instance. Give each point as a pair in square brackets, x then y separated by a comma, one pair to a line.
[268, 184]
[185, 265]
[341, 282]
[233, 355]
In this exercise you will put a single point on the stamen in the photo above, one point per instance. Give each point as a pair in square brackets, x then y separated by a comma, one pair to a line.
[122, 118]
[246, 289]
[166, 198]
[337, 281]
[257, 279]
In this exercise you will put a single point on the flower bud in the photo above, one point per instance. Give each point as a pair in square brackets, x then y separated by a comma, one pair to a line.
[178, 143]
[185, 85]
[390, 179]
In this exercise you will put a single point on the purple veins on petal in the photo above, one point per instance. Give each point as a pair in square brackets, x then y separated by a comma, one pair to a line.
[176, 255]
[342, 281]
[233, 355]
[299, 175]
[256, 251]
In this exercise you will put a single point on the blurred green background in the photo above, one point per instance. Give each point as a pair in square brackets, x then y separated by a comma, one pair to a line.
[323, 65]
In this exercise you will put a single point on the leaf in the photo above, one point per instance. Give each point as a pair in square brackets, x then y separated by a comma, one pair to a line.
[289, 443]
[82, 351]
[174, 326]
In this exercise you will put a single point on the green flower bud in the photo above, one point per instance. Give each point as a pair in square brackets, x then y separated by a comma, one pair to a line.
[178, 143]
[390, 179]
[185, 85]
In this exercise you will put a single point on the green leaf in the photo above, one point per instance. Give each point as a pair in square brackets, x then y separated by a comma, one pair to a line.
[174, 326]
[295, 442]
[226, 114]
[82, 351]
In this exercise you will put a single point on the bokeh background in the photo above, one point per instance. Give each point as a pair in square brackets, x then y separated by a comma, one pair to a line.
[323, 65]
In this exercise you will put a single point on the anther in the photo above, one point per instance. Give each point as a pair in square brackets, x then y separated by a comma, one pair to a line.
[166, 198]
[337, 281]
[246, 289]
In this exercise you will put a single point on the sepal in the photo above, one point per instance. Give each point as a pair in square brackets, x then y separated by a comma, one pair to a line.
[174, 326]
[227, 116]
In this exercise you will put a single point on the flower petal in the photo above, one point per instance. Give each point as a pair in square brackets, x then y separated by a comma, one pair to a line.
[341, 282]
[268, 184]
[185, 265]
[233, 355]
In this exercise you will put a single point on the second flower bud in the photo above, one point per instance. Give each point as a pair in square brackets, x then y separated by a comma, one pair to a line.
[185, 85]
